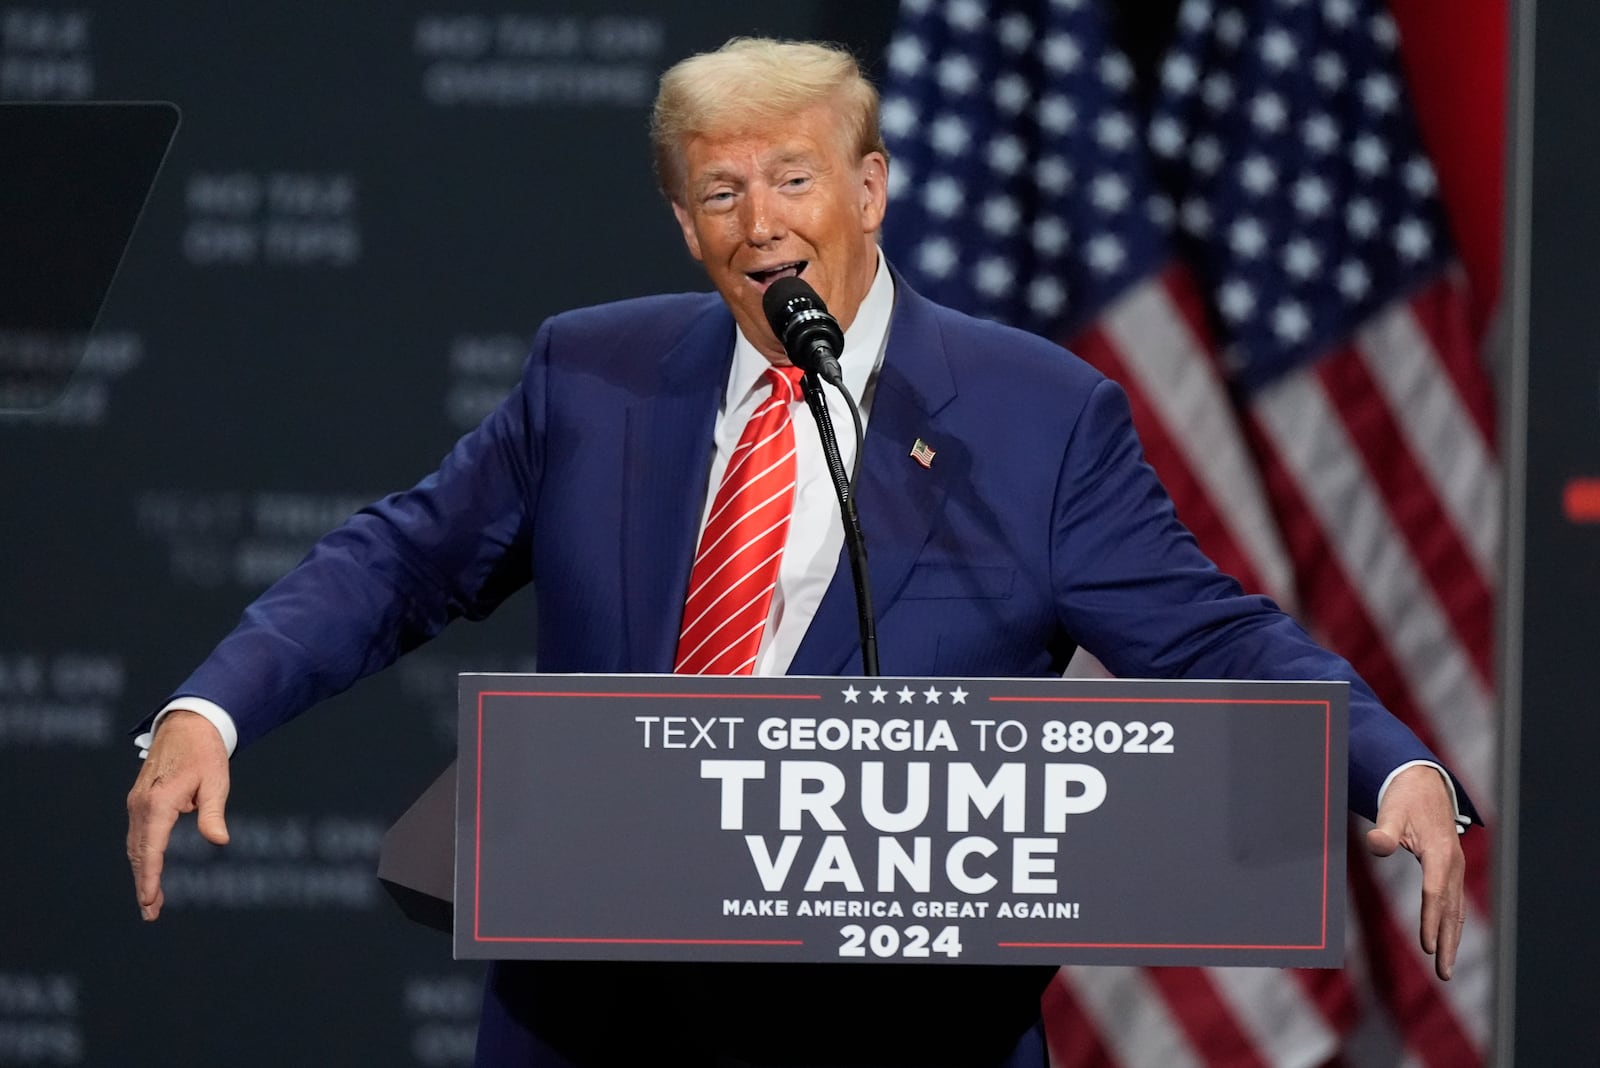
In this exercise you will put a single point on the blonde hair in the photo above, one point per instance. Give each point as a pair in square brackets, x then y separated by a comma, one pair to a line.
[751, 82]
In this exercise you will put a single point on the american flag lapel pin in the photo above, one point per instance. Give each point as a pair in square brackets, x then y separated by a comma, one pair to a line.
[921, 453]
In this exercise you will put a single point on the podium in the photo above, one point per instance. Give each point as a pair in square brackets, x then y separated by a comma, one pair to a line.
[862, 822]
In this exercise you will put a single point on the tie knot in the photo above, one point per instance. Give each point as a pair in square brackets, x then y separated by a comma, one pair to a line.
[785, 382]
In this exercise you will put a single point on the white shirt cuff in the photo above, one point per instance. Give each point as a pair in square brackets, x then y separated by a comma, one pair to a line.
[1462, 822]
[212, 713]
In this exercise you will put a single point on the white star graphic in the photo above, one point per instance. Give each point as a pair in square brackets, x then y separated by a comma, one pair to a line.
[1311, 197]
[1109, 193]
[1106, 254]
[943, 196]
[1166, 136]
[899, 179]
[1196, 216]
[1370, 156]
[993, 277]
[1383, 30]
[1378, 92]
[1267, 111]
[1217, 92]
[1056, 114]
[905, 694]
[898, 116]
[1412, 239]
[1046, 296]
[965, 14]
[1015, 31]
[1354, 281]
[930, 696]
[1237, 299]
[1420, 177]
[1180, 74]
[1247, 237]
[1329, 71]
[1195, 15]
[878, 693]
[1361, 217]
[1011, 93]
[1049, 235]
[1258, 175]
[1114, 132]
[1115, 71]
[1300, 258]
[1006, 154]
[906, 56]
[1338, 12]
[850, 694]
[958, 696]
[1000, 215]
[1231, 27]
[1206, 155]
[937, 257]
[1061, 53]
[1160, 210]
[949, 135]
[1320, 133]
[957, 74]
[1290, 322]
[1053, 174]
[1278, 49]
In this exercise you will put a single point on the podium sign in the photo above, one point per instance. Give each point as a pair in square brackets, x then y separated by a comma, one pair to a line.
[946, 821]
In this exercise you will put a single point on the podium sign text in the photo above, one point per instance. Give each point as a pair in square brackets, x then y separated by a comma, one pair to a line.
[973, 821]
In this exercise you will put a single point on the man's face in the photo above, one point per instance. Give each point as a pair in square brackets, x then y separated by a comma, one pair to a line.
[788, 200]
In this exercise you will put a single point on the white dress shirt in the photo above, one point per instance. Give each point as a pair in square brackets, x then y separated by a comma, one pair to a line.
[816, 531]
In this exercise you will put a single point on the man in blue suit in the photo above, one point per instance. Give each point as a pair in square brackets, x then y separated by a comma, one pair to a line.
[1033, 527]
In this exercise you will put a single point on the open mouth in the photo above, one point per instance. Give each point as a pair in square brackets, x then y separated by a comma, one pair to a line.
[772, 274]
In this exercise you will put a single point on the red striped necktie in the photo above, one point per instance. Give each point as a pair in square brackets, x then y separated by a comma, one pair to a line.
[736, 570]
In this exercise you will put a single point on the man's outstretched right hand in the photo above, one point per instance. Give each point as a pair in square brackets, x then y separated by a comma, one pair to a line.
[186, 770]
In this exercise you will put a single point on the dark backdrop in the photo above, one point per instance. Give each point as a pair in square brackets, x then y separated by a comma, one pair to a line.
[369, 208]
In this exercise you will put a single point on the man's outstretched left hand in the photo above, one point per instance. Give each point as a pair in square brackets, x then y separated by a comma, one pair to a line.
[1417, 814]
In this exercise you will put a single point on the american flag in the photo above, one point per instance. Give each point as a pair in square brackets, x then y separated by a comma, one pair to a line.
[1263, 265]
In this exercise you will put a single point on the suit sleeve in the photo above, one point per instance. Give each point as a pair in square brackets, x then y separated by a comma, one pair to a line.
[454, 545]
[1133, 587]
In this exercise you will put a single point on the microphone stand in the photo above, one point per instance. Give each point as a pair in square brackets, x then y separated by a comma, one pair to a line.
[855, 543]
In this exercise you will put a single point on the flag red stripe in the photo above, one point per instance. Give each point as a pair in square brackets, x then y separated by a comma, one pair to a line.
[1456, 70]
[1331, 602]
[1433, 1033]
[1206, 1018]
[1194, 505]
[1329, 993]
[1333, 994]
[1070, 1034]
[1440, 314]
[1436, 545]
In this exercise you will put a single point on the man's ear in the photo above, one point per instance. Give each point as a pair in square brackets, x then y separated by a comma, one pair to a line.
[686, 224]
[874, 191]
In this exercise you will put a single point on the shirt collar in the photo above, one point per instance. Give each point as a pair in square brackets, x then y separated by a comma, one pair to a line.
[863, 345]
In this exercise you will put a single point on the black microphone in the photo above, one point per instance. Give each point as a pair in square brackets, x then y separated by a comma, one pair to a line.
[810, 336]
[812, 339]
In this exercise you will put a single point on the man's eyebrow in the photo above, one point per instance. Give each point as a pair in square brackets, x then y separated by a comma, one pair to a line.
[714, 175]
[794, 155]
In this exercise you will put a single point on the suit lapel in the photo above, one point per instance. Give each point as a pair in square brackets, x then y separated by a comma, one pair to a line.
[666, 455]
[898, 499]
